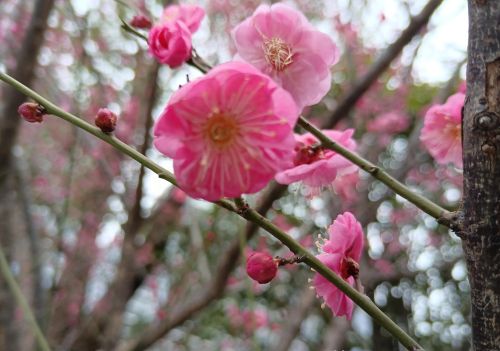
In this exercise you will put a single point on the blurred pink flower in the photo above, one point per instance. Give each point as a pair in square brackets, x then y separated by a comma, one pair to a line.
[462, 87]
[390, 122]
[345, 184]
[228, 132]
[442, 131]
[190, 15]
[170, 43]
[341, 251]
[281, 43]
[247, 320]
[316, 166]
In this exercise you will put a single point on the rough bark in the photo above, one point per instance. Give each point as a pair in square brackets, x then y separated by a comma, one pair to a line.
[481, 144]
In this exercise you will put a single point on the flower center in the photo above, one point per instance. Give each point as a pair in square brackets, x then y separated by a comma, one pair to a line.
[307, 154]
[278, 53]
[221, 129]
[349, 268]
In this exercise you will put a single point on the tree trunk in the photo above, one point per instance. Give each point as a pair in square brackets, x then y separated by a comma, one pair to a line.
[481, 150]
[9, 125]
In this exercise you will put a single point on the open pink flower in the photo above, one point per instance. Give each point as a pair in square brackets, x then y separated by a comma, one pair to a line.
[442, 131]
[228, 132]
[281, 43]
[190, 15]
[341, 252]
[170, 43]
[316, 166]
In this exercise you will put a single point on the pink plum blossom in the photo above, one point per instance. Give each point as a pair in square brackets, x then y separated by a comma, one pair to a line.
[281, 43]
[170, 43]
[228, 132]
[442, 131]
[316, 166]
[341, 251]
[190, 15]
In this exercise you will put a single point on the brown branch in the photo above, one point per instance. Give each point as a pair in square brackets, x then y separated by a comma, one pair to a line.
[26, 60]
[25, 73]
[295, 318]
[26, 201]
[348, 102]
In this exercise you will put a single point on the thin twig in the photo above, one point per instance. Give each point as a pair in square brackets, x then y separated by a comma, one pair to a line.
[21, 300]
[399, 188]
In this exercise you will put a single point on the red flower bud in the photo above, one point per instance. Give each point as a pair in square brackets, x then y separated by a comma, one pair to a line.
[31, 112]
[141, 22]
[262, 267]
[106, 120]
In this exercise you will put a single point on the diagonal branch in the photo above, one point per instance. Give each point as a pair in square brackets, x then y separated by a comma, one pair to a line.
[399, 188]
[243, 211]
[362, 85]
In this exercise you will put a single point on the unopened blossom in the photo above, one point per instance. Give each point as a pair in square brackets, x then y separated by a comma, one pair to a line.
[190, 15]
[261, 267]
[341, 253]
[228, 132]
[141, 22]
[31, 112]
[170, 43]
[316, 166]
[281, 43]
[105, 120]
[442, 131]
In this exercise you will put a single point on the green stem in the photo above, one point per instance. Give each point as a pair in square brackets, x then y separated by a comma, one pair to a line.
[399, 188]
[128, 28]
[18, 295]
[308, 258]
[239, 207]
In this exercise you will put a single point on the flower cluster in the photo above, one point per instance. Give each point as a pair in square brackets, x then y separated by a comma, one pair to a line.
[341, 253]
[170, 39]
[231, 131]
[442, 131]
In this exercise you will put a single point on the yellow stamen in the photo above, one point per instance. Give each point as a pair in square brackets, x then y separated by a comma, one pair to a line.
[277, 53]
